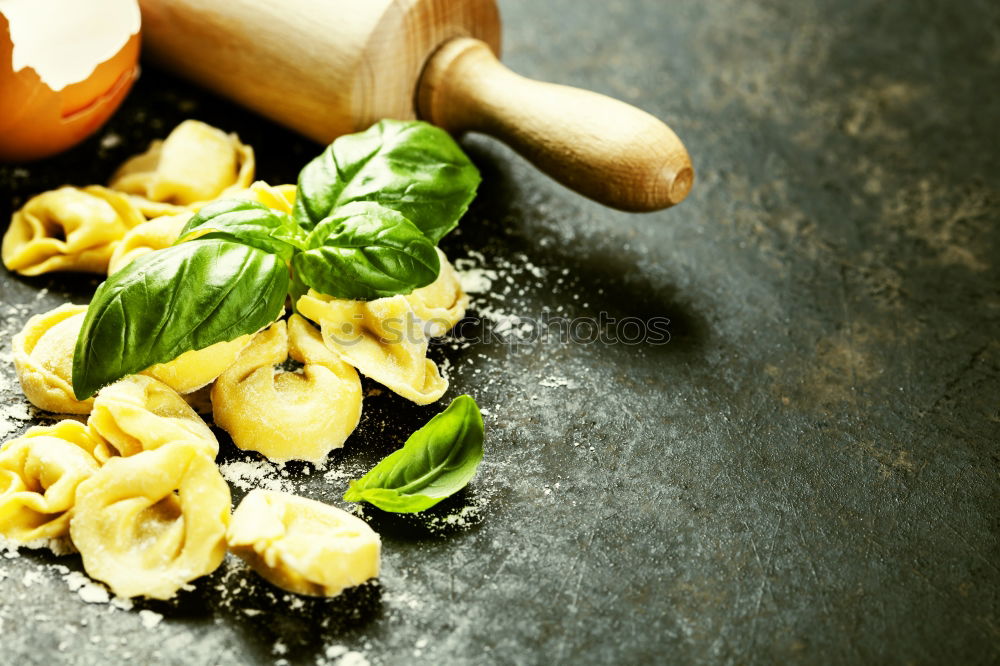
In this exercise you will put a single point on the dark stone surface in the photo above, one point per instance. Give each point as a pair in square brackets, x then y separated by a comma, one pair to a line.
[806, 472]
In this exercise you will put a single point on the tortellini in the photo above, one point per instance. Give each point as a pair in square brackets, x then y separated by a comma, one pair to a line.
[156, 234]
[442, 303]
[151, 523]
[139, 413]
[288, 415]
[39, 475]
[43, 359]
[198, 368]
[302, 545]
[383, 338]
[195, 164]
[69, 229]
[278, 197]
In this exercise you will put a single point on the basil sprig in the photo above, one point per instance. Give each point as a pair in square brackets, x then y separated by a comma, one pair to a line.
[411, 167]
[247, 222]
[367, 251]
[435, 462]
[367, 216]
[168, 302]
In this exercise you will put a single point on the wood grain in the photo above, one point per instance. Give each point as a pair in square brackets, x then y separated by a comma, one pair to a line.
[596, 145]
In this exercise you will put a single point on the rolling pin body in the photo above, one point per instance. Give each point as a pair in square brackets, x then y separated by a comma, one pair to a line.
[332, 67]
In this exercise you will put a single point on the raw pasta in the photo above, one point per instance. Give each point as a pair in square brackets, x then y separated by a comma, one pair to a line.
[384, 339]
[43, 359]
[288, 415]
[302, 545]
[156, 234]
[139, 413]
[198, 368]
[195, 164]
[69, 229]
[442, 303]
[39, 475]
[278, 197]
[151, 523]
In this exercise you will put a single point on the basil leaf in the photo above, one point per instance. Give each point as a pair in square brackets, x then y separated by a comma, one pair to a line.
[248, 223]
[366, 251]
[412, 167]
[188, 296]
[435, 462]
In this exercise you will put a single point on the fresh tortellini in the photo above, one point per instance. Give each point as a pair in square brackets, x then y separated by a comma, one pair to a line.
[39, 475]
[43, 359]
[442, 303]
[156, 234]
[288, 415]
[151, 523]
[68, 229]
[139, 413]
[383, 338]
[302, 545]
[278, 197]
[198, 368]
[195, 164]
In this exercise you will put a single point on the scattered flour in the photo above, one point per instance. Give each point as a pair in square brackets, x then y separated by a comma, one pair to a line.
[90, 591]
[553, 381]
[150, 618]
[338, 655]
[250, 474]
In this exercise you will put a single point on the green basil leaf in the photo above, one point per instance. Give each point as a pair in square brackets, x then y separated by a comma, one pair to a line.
[248, 223]
[188, 296]
[366, 251]
[412, 167]
[435, 462]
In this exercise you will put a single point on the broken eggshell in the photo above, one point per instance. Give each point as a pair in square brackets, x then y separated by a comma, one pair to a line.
[65, 66]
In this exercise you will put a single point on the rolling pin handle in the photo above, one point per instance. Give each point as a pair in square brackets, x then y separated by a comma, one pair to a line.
[602, 148]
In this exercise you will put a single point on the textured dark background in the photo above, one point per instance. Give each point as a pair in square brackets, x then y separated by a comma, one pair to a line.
[806, 473]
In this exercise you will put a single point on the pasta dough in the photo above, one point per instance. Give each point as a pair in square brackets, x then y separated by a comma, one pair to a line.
[278, 197]
[39, 475]
[43, 359]
[198, 368]
[139, 413]
[153, 522]
[383, 338]
[288, 415]
[302, 545]
[156, 234]
[69, 229]
[195, 164]
[442, 303]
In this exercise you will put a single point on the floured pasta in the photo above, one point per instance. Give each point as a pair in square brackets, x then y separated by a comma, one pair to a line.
[302, 545]
[43, 359]
[151, 523]
[198, 368]
[278, 197]
[384, 339]
[442, 303]
[39, 475]
[139, 413]
[69, 229]
[288, 415]
[156, 234]
[195, 164]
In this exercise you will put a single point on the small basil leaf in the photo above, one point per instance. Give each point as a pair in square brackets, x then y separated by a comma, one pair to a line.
[366, 251]
[188, 296]
[412, 167]
[435, 462]
[249, 223]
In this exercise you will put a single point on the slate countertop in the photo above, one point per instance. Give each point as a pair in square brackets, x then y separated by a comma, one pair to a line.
[805, 472]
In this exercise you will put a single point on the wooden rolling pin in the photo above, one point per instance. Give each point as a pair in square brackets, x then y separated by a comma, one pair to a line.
[331, 67]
